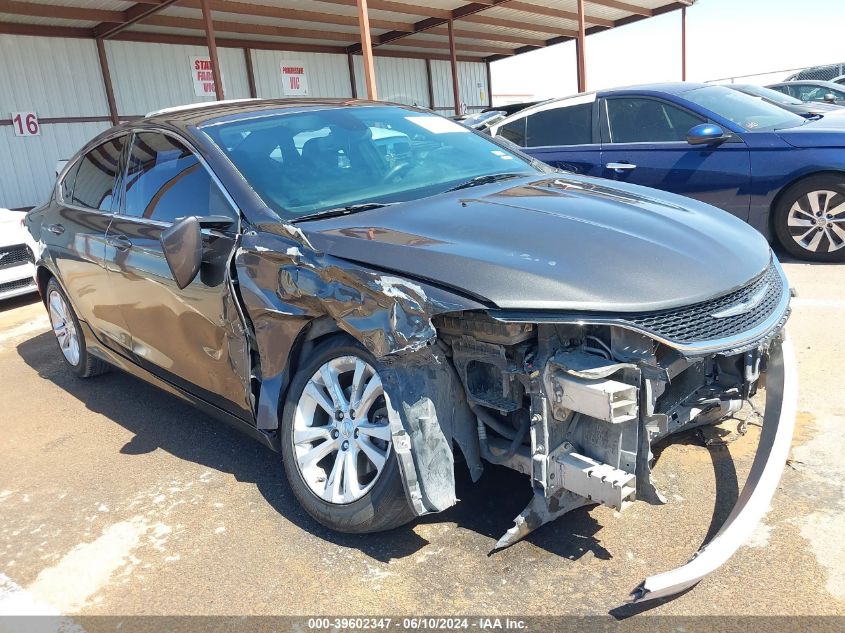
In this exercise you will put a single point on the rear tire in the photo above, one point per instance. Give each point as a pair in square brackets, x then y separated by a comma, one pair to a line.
[69, 335]
[809, 219]
[340, 463]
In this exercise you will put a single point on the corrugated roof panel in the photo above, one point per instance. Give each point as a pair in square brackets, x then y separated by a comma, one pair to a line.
[397, 80]
[249, 37]
[327, 74]
[55, 77]
[111, 5]
[28, 180]
[165, 78]
[195, 14]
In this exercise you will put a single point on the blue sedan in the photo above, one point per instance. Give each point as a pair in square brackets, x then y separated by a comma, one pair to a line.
[781, 173]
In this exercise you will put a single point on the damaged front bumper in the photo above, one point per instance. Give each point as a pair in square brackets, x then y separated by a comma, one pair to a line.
[763, 479]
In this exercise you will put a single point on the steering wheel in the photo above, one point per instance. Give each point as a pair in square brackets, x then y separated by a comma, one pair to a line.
[394, 171]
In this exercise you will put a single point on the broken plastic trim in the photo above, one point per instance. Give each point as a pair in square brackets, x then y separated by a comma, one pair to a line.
[763, 479]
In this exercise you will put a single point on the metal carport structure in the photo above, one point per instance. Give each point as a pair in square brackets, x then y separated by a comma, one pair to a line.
[85, 64]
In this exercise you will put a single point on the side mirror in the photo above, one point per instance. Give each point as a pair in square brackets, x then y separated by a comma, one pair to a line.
[830, 98]
[706, 134]
[182, 246]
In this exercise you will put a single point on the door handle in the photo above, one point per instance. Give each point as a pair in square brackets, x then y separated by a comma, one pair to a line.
[621, 166]
[56, 229]
[120, 242]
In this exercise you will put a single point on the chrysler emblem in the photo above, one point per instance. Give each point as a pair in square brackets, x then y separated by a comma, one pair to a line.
[743, 306]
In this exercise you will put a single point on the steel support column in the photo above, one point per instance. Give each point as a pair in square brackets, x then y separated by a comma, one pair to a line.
[367, 49]
[683, 43]
[580, 53]
[212, 50]
[104, 69]
[250, 73]
[453, 58]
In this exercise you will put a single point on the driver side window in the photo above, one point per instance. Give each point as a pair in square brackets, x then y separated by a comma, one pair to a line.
[639, 120]
[165, 181]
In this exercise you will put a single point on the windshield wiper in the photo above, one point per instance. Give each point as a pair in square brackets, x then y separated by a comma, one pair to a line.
[337, 211]
[487, 179]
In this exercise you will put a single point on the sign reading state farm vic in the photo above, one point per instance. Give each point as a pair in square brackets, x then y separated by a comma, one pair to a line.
[294, 79]
[203, 77]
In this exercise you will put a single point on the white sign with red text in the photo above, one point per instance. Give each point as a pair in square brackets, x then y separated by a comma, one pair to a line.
[203, 77]
[26, 124]
[294, 79]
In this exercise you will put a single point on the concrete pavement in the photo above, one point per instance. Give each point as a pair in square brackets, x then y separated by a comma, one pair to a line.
[116, 498]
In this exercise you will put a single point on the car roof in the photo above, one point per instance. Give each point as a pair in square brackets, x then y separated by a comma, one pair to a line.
[809, 82]
[200, 114]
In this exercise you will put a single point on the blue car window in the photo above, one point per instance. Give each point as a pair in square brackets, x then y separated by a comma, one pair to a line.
[639, 120]
[568, 125]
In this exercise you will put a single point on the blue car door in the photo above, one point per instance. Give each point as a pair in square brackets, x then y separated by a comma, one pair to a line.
[563, 134]
[644, 142]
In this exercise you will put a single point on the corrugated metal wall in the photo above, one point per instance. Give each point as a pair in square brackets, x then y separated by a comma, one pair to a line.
[61, 78]
[56, 78]
[398, 80]
[147, 77]
[328, 74]
[472, 83]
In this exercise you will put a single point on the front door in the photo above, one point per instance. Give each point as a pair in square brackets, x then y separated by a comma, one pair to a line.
[194, 337]
[644, 142]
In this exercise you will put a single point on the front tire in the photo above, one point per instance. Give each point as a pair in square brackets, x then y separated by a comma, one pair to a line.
[337, 449]
[809, 219]
[69, 335]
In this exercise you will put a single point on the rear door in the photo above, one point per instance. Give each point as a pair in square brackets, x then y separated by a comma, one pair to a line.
[644, 142]
[194, 337]
[74, 230]
[562, 134]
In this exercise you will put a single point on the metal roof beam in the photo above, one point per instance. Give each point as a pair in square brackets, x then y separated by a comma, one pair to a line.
[133, 14]
[429, 23]
[62, 12]
[263, 10]
[249, 29]
[396, 7]
[623, 6]
[551, 12]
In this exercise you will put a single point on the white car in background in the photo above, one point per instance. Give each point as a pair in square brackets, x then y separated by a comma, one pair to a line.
[16, 260]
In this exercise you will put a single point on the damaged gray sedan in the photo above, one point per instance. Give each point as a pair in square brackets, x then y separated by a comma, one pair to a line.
[370, 289]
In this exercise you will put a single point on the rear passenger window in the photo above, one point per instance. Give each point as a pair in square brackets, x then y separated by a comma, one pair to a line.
[572, 125]
[93, 187]
[166, 181]
[514, 131]
[66, 186]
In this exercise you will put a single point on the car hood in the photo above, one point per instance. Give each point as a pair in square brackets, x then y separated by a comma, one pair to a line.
[829, 131]
[555, 243]
[11, 231]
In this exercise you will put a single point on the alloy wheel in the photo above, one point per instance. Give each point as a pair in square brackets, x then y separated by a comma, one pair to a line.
[341, 434]
[64, 327]
[816, 221]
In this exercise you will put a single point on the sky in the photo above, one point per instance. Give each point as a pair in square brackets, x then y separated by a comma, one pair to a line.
[725, 38]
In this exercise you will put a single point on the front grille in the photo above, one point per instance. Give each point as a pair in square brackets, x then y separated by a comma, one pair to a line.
[696, 323]
[15, 256]
[17, 285]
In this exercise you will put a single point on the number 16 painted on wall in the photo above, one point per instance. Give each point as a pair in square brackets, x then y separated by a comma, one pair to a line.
[26, 124]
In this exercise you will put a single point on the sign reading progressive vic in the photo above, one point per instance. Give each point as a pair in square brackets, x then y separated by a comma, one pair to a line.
[294, 79]
[203, 77]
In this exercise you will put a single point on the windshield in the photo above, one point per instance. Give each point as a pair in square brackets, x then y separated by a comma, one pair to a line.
[771, 95]
[748, 112]
[307, 162]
